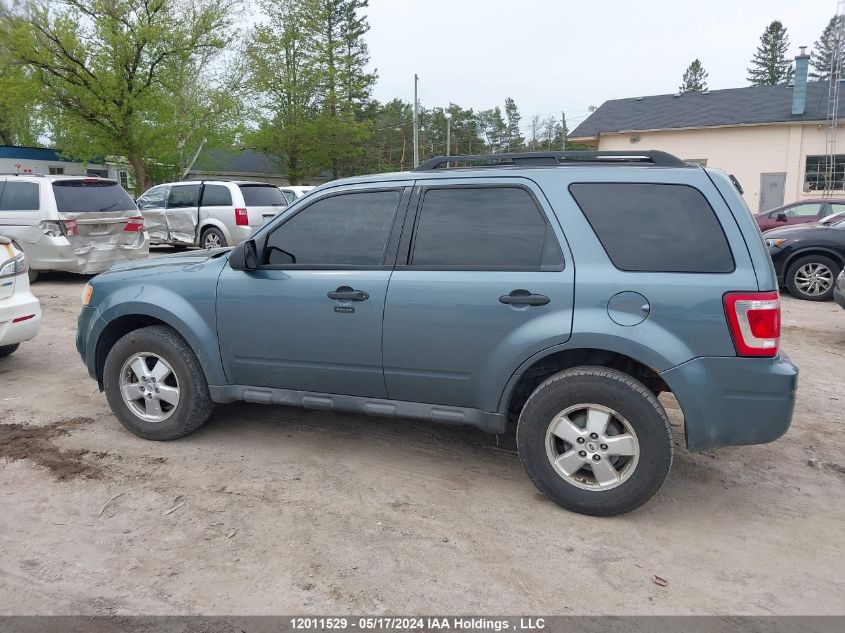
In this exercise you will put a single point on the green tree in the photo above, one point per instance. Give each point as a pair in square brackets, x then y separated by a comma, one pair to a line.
[108, 69]
[20, 112]
[336, 29]
[493, 129]
[829, 50]
[515, 140]
[770, 66]
[286, 83]
[695, 78]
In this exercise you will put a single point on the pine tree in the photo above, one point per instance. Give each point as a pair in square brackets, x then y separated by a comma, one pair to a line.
[769, 66]
[695, 78]
[829, 48]
[515, 141]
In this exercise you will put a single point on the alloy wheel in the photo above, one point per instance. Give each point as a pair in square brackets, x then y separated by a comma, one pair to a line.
[149, 387]
[813, 279]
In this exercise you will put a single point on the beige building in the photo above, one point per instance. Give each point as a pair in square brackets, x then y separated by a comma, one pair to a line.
[772, 138]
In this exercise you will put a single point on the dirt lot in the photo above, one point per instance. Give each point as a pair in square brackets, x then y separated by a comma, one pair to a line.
[275, 510]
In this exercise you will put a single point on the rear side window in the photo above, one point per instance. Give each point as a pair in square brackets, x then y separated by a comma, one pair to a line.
[80, 196]
[655, 227]
[19, 196]
[216, 195]
[183, 196]
[263, 196]
[497, 228]
[349, 229]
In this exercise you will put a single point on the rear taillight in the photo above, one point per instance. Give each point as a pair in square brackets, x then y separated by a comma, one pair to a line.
[754, 322]
[241, 217]
[59, 228]
[134, 225]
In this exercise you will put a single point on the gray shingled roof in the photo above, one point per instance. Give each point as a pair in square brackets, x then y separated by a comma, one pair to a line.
[244, 161]
[735, 106]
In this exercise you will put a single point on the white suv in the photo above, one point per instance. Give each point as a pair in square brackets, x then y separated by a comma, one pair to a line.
[20, 311]
[75, 224]
[207, 213]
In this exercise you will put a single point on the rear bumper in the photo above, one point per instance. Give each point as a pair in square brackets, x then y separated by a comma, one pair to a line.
[839, 290]
[733, 401]
[56, 253]
[19, 305]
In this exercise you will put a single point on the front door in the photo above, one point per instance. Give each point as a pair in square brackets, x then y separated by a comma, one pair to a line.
[310, 317]
[771, 190]
[483, 284]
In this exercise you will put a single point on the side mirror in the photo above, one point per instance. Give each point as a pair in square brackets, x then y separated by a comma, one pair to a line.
[244, 256]
[781, 217]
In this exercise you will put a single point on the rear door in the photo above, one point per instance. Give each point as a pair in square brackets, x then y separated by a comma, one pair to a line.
[483, 284]
[101, 210]
[263, 201]
[182, 212]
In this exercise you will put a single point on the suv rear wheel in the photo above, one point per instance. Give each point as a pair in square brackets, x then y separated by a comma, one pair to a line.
[595, 441]
[812, 277]
[213, 238]
[155, 385]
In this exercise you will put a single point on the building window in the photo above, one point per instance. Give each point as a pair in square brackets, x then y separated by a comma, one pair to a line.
[696, 162]
[97, 173]
[123, 177]
[825, 172]
[57, 171]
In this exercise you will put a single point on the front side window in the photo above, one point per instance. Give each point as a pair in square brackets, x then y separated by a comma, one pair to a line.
[153, 199]
[349, 229]
[810, 210]
[216, 196]
[19, 196]
[182, 196]
[497, 228]
[648, 227]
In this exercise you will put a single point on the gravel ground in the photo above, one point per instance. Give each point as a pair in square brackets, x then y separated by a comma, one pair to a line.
[271, 510]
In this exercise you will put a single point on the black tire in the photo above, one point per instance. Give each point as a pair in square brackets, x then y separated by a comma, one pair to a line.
[608, 388]
[211, 231]
[33, 276]
[195, 404]
[6, 350]
[827, 262]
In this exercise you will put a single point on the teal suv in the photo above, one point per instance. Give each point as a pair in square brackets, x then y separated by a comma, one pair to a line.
[560, 293]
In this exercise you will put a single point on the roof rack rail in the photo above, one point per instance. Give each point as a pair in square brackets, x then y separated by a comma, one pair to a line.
[531, 159]
[20, 173]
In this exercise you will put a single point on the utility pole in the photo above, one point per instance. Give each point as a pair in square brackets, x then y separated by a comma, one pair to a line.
[563, 130]
[448, 134]
[416, 123]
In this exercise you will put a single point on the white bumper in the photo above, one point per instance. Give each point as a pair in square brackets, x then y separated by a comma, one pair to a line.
[20, 305]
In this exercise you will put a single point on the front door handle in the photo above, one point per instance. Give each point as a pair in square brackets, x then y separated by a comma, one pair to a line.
[523, 297]
[346, 293]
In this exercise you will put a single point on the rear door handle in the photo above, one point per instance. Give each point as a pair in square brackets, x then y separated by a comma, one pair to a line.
[524, 297]
[346, 293]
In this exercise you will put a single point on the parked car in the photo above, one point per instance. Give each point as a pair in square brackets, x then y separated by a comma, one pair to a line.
[70, 223]
[451, 295]
[294, 192]
[808, 258]
[799, 213]
[207, 213]
[20, 311]
[839, 290]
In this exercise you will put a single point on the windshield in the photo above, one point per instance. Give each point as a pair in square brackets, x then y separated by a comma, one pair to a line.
[263, 196]
[85, 196]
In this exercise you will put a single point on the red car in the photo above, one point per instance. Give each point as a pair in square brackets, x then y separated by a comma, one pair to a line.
[799, 213]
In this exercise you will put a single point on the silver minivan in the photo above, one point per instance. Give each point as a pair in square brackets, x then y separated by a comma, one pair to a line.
[208, 213]
[75, 224]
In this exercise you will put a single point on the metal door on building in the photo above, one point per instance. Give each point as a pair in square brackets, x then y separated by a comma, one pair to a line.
[771, 190]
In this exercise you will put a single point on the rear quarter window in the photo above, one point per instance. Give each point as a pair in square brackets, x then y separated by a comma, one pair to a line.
[19, 196]
[646, 227]
[263, 196]
[81, 196]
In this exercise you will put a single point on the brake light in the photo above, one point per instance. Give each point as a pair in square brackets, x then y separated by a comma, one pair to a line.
[69, 227]
[241, 217]
[134, 225]
[754, 322]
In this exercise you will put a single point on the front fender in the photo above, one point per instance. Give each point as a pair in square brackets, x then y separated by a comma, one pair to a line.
[194, 321]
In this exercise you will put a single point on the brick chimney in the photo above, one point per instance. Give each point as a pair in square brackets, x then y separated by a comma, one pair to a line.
[799, 89]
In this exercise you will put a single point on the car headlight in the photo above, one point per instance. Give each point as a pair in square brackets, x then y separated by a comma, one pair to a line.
[86, 294]
[772, 242]
[18, 265]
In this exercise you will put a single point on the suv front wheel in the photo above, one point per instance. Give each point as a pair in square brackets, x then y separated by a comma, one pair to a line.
[155, 385]
[595, 441]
